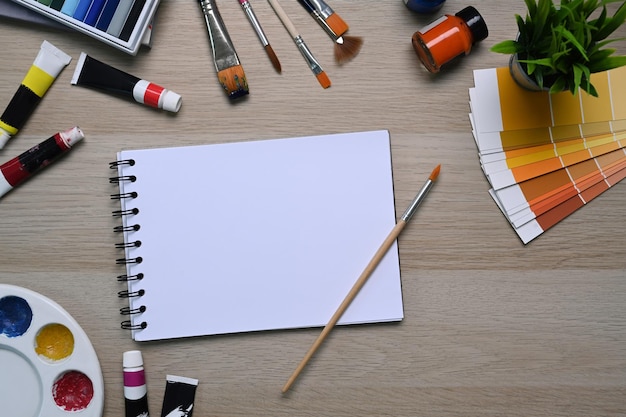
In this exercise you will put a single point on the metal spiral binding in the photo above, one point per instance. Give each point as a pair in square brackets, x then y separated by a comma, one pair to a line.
[122, 229]
[128, 325]
[120, 196]
[130, 294]
[126, 278]
[127, 311]
[115, 164]
[128, 212]
[126, 261]
[127, 229]
[123, 245]
[122, 178]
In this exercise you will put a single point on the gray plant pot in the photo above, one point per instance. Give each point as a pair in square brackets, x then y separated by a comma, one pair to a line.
[521, 77]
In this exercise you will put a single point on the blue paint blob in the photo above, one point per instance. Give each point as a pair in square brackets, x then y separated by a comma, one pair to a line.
[15, 316]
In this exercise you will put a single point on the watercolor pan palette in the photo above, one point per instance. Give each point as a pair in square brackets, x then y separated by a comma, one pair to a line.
[119, 23]
[48, 366]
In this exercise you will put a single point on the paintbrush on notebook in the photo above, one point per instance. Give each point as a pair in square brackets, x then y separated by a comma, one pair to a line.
[247, 8]
[346, 47]
[229, 70]
[322, 78]
[369, 269]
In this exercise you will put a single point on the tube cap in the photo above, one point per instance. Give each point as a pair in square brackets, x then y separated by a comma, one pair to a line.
[171, 101]
[73, 135]
[475, 22]
[132, 359]
[4, 138]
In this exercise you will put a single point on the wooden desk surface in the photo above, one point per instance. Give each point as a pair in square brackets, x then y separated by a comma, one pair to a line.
[492, 327]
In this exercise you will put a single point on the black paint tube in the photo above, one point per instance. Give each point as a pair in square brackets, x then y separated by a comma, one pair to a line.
[180, 393]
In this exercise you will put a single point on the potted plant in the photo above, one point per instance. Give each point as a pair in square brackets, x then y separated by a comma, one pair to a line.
[557, 48]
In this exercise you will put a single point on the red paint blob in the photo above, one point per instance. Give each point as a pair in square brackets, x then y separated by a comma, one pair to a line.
[73, 391]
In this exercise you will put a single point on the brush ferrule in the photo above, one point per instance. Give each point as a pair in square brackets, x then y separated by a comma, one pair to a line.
[322, 8]
[308, 56]
[224, 54]
[410, 211]
[255, 23]
[322, 21]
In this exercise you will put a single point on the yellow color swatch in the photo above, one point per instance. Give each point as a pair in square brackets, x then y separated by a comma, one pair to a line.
[521, 109]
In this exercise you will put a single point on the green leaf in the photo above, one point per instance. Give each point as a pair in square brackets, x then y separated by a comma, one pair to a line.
[578, 73]
[589, 89]
[558, 86]
[612, 23]
[505, 47]
[572, 39]
[607, 64]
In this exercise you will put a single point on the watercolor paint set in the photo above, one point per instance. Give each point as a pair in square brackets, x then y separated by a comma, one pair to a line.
[119, 23]
[49, 367]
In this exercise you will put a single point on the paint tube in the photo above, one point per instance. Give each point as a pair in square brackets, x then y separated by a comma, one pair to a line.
[45, 69]
[180, 393]
[135, 389]
[92, 73]
[18, 169]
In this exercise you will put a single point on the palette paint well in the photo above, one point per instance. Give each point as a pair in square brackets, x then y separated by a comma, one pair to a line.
[49, 367]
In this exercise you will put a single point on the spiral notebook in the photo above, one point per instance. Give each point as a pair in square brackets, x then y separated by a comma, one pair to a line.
[257, 235]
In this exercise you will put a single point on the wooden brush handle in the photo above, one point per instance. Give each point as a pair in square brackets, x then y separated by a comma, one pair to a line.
[371, 266]
[284, 18]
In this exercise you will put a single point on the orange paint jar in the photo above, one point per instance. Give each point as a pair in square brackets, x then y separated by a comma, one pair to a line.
[449, 37]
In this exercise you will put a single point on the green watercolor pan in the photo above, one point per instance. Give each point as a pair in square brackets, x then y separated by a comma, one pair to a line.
[49, 367]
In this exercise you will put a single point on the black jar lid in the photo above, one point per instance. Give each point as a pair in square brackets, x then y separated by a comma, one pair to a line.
[475, 22]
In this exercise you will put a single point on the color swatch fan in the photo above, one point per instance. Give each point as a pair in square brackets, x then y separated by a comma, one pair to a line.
[547, 155]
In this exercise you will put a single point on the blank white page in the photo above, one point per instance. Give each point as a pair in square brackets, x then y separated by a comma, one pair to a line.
[261, 235]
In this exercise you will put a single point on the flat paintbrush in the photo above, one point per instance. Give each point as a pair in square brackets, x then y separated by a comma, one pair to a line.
[360, 282]
[247, 8]
[229, 70]
[336, 24]
[322, 78]
[346, 47]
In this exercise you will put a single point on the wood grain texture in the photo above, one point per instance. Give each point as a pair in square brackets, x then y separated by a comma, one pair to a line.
[491, 327]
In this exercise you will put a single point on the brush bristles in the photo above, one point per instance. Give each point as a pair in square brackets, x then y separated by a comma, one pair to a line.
[435, 173]
[348, 49]
[337, 24]
[323, 79]
[233, 80]
[272, 55]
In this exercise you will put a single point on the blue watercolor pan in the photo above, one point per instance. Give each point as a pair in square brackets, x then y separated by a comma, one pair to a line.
[48, 367]
[119, 23]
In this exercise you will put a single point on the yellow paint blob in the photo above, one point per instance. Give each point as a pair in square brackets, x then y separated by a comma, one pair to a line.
[55, 342]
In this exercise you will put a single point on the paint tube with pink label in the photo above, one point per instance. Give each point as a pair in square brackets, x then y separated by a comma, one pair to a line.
[92, 73]
[135, 389]
[180, 393]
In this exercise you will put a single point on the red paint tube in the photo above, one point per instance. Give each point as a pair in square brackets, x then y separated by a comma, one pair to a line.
[18, 169]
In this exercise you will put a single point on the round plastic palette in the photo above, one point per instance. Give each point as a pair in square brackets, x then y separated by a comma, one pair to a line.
[49, 367]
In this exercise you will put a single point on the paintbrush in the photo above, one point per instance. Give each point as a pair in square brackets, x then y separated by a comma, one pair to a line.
[322, 78]
[247, 8]
[336, 24]
[229, 70]
[371, 266]
[346, 47]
